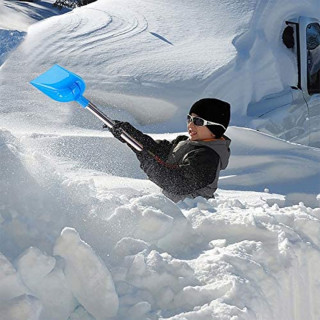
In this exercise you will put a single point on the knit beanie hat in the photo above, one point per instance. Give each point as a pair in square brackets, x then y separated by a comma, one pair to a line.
[214, 110]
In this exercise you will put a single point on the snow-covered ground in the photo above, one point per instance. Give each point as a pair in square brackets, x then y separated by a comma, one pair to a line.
[84, 235]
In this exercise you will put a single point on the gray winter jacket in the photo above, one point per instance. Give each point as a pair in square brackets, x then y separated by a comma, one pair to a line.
[180, 153]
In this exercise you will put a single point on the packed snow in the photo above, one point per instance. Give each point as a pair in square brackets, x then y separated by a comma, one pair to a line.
[84, 235]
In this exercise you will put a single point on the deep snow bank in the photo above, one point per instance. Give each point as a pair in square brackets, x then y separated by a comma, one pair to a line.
[260, 161]
[132, 55]
[167, 54]
[243, 254]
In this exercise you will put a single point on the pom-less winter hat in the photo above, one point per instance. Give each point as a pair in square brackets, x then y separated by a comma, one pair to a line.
[214, 110]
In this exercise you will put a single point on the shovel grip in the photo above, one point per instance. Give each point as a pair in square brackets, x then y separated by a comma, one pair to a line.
[110, 123]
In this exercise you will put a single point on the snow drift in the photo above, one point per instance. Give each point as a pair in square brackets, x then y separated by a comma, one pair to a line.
[237, 255]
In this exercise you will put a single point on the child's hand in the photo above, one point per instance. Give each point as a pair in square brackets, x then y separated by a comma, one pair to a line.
[119, 127]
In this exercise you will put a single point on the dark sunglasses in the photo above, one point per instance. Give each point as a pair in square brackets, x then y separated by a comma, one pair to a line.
[197, 121]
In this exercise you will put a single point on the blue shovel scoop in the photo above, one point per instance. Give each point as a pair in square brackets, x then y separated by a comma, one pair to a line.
[65, 86]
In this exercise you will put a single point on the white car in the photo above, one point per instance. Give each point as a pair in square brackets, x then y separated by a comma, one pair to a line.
[294, 113]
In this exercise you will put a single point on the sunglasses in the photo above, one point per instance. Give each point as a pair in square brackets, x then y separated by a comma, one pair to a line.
[197, 121]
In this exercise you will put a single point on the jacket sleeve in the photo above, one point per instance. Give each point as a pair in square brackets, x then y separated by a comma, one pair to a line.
[197, 170]
[159, 147]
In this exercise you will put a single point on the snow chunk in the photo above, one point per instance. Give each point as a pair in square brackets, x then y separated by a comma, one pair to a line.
[46, 282]
[154, 219]
[129, 246]
[23, 307]
[10, 283]
[80, 314]
[87, 275]
[139, 309]
[157, 276]
[34, 265]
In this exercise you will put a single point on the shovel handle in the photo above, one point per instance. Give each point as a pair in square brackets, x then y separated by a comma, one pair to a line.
[110, 123]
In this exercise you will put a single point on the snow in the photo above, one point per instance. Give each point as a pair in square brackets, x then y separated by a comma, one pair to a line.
[84, 235]
[38, 272]
[90, 281]
[22, 307]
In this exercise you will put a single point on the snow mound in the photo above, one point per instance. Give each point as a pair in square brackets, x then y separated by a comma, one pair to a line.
[132, 253]
[29, 200]
[253, 260]
[260, 161]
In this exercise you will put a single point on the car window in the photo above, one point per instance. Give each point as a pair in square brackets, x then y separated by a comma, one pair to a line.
[313, 57]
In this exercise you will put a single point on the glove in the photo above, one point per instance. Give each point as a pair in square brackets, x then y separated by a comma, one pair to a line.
[119, 127]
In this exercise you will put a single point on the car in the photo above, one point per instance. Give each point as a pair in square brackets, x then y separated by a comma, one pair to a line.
[294, 113]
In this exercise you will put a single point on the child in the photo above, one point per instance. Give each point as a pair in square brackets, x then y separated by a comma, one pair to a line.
[187, 167]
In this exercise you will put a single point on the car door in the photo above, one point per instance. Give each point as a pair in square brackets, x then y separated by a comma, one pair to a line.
[309, 30]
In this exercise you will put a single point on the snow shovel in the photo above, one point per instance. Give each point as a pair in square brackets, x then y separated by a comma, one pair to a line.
[65, 86]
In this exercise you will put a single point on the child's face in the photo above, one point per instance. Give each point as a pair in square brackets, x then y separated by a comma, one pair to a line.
[197, 133]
